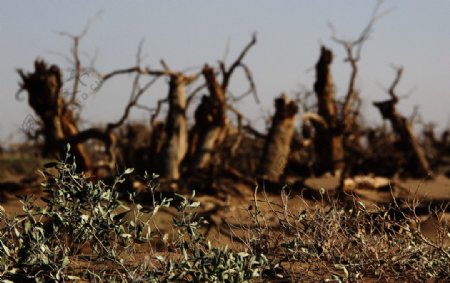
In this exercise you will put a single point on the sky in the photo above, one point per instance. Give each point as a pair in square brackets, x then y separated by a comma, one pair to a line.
[187, 34]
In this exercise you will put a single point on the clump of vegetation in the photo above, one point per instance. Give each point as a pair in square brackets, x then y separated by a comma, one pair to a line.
[338, 242]
[90, 231]
[84, 222]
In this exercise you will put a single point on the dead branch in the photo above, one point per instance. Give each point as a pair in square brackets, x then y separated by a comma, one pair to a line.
[416, 161]
[227, 73]
[211, 123]
[157, 110]
[391, 91]
[134, 97]
[353, 50]
[316, 118]
[76, 57]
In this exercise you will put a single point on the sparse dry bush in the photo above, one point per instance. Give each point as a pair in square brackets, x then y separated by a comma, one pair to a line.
[336, 242]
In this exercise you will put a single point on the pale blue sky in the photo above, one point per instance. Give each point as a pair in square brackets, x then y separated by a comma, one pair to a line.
[416, 35]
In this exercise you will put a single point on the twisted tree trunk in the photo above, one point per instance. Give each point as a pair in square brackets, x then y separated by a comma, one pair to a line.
[44, 88]
[417, 162]
[211, 122]
[278, 142]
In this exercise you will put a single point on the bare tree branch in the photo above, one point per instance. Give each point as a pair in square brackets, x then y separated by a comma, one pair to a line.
[227, 73]
[134, 97]
[391, 91]
[76, 57]
[157, 110]
[353, 50]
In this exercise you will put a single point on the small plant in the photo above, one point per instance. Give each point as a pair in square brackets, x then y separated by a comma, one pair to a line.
[201, 262]
[82, 222]
[78, 215]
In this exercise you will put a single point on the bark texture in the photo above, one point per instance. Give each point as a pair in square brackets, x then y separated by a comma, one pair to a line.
[417, 162]
[210, 122]
[44, 88]
[278, 141]
[176, 142]
[328, 140]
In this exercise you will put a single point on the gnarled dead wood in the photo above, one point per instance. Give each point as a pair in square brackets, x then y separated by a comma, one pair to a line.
[328, 141]
[44, 88]
[278, 142]
[211, 123]
[176, 142]
[417, 162]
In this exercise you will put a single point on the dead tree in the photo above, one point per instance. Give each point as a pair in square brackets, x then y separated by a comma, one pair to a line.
[278, 142]
[176, 142]
[415, 155]
[337, 129]
[328, 140]
[173, 149]
[211, 123]
[44, 88]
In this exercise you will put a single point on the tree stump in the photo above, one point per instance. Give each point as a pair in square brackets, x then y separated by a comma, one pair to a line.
[328, 141]
[278, 142]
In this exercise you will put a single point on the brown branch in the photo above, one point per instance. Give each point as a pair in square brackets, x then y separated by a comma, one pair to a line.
[252, 89]
[254, 131]
[157, 110]
[227, 73]
[391, 91]
[75, 54]
[164, 65]
[239, 116]
[136, 69]
[353, 50]
[135, 95]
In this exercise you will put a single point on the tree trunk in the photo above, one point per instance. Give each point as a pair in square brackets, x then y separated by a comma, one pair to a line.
[328, 140]
[210, 123]
[44, 96]
[416, 159]
[157, 140]
[278, 141]
[176, 143]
